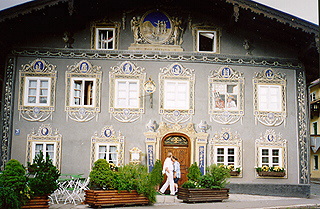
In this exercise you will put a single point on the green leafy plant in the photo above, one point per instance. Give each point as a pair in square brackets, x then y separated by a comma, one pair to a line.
[156, 174]
[43, 176]
[270, 169]
[215, 178]
[13, 189]
[128, 177]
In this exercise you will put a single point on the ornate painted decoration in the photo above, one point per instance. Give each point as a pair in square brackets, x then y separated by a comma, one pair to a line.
[107, 136]
[226, 95]
[177, 72]
[304, 146]
[226, 138]
[135, 155]
[81, 72]
[156, 31]
[271, 140]
[175, 140]
[45, 134]
[37, 71]
[126, 71]
[270, 116]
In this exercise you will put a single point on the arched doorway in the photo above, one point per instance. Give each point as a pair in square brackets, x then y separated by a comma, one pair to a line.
[179, 145]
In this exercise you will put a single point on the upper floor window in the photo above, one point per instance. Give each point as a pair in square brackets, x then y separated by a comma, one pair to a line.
[313, 96]
[37, 90]
[127, 93]
[105, 35]
[269, 97]
[206, 39]
[126, 103]
[83, 85]
[83, 92]
[176, 93]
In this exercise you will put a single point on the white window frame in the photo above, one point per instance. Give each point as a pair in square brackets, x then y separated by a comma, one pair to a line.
[270, 156]
[97, 29]
[44, 144]
[268, 98]
[72, 93]
[98, 145]
[314, 162]
[128, 95]
[176, 92]
[313, 96]
[215, 41]
[26, 91]
[226, 155]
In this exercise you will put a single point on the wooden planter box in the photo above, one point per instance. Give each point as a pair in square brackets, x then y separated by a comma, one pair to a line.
[271, 174]
[37, 202]
[202, 195]
[100, 198]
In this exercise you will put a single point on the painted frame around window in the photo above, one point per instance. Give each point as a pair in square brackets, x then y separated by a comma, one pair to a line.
[83, 71]
[214, 31]
[37, 70]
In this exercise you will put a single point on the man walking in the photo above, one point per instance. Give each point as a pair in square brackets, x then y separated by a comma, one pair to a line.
[168, 170]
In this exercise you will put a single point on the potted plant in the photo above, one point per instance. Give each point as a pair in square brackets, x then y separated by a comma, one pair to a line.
[156, 174]
[234, 171]
[13, 189]
[42, 181]
[266, 171]
[126, 185]
[205, 188]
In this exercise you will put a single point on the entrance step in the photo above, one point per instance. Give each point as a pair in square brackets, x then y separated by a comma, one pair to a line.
[167, 199]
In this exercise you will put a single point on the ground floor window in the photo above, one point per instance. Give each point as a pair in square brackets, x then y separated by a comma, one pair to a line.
[108, 152]
[270, 157]
[226, 155]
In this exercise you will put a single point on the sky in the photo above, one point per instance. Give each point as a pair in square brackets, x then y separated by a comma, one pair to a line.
[305, 9]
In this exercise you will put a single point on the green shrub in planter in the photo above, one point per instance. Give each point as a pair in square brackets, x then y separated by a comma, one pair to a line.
[43, 176]
[101, 176]
[215, 178]
[13, 190]
[156, 174]
[193, 176]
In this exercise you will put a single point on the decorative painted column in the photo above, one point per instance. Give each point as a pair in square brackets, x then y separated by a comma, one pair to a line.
[151, 140]
[7, 112]
[201, 150]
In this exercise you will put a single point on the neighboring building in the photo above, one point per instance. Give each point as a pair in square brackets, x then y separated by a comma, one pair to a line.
[212, 81]
[314, 91]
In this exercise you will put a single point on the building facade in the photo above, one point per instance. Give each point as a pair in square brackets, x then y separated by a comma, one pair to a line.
[128, 83]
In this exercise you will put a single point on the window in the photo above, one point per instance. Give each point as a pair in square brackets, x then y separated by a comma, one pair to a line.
[127, 93]
[316, 162]
[83, 92]
[226, 155]
[108, 152]
[47, 148]
[270, 157]
[105, 38]
[225, 96]
[315, 128]
[37, 91]
[176, 95]
[269, 98]
[207, 41]
[313, 96]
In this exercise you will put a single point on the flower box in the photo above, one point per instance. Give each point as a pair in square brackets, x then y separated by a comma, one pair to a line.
[192, 195]
[37, 202]
[234, 173]
[102, 198]
[271, 174]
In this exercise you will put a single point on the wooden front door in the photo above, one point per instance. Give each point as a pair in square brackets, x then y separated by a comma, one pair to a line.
[179, 146]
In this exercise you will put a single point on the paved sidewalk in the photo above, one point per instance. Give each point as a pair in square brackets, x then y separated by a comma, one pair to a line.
[235, 201]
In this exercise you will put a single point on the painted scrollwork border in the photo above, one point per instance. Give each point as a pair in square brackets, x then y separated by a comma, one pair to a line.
[226, 75]
[83, 113]
[44, 134]
[183, 74]
[226, 138]
[269, 77]
[273, 140]
[7, 112]
[302, 111]
[107, 136]
[37, 68]
[126, 115]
